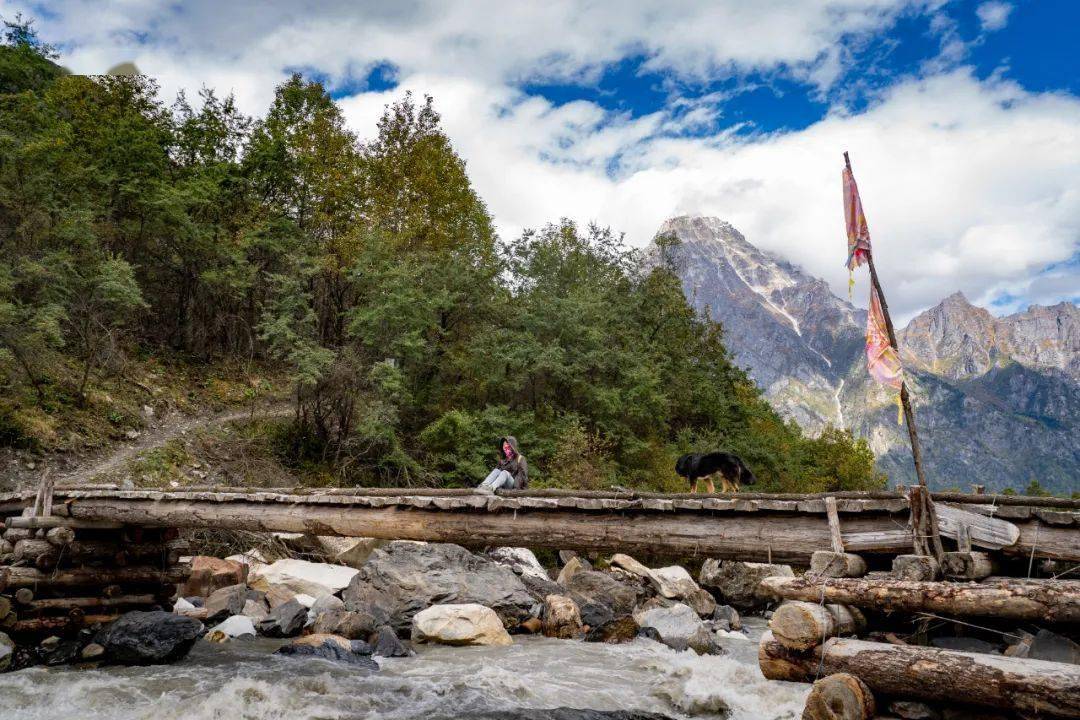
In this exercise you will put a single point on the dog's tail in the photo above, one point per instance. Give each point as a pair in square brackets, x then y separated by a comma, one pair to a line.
[746, 476]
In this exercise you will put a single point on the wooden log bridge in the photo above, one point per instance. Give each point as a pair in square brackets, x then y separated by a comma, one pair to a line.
[748, 526]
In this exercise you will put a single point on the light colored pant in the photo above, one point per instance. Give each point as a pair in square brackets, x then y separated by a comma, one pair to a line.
[497, 479]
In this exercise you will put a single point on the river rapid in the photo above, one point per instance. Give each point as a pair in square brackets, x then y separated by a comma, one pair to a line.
[242, 680]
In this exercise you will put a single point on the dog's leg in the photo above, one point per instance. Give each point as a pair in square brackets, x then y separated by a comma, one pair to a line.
[693, 486]
[711, 485]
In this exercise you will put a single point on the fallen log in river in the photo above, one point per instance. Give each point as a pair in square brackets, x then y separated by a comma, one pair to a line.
[1053, 601]
[1036, 687]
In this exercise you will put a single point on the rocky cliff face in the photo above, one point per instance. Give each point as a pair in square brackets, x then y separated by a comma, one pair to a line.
[997, 399]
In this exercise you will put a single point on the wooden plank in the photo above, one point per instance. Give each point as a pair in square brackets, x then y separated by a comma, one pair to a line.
[52, 521]
[986, 532]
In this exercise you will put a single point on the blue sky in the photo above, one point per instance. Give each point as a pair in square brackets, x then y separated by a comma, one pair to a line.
[962, 116]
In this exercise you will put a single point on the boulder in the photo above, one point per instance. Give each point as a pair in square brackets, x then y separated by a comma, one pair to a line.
[573, 566]
[351, 552]
[404, 578]
[1056, 648]
[235, 627]
[148, 638]
[913, 710]
[333, 648]
[385, 643]
[226, 602]
[61, 653]
[301, 576]
[521, 560]
[327, 603]
[737, 583]
[7, 651]
[284, 621]
[591, 586]
[352, 625]
[540, 588]
[726, 617]
[255, 609]
[210, 573]
[674, 582]
[620, 630]
[92, 652]
[702, 601]
[594, 614]
[461, 624]
[561, 618]
[278, 595]
[679, 627]
[253, 558]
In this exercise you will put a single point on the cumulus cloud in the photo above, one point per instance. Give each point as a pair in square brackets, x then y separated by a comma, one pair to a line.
[993, 15]
[969, 184]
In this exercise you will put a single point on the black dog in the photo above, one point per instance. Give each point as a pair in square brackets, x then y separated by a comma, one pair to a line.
[702, 466]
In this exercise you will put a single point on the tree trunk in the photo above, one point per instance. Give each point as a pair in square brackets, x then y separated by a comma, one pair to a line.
[1035, 600]
[57, 624]
[803, 625]
[839, 697]
[1038, 687]
[17, 577]
[66, 604]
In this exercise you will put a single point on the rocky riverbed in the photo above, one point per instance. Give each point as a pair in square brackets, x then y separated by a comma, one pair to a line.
[415, 630]
[245, 680]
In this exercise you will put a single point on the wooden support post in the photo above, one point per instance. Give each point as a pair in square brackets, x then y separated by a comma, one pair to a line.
[832, 564]
[968, 565]
[834, 525]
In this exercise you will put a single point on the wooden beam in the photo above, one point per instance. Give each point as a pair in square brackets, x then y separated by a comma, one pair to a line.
[834, 525]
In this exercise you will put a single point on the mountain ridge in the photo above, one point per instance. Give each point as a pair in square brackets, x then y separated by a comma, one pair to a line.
[980, 384]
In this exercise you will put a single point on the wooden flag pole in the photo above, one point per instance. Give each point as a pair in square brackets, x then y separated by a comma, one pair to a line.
[905, 399]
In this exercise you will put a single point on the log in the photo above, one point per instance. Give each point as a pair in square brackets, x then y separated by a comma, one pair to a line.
[837, 564]
[53, 521]
[66, 604]
[987, 532]
[749, 536]
[840, 696]
[120, 554]
[1053, 601]
[802, 625]
[60, 536]
[24, 596]
[1039, 687]
[57, 624]
[834, 525]
[915, 567]
[5, 607]
[967, 565]
[17, 577]
[41, 553]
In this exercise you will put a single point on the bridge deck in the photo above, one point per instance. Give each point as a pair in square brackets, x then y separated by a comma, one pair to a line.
[746, 526]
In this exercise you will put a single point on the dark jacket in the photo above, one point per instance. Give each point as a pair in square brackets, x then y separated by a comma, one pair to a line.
[517, 466]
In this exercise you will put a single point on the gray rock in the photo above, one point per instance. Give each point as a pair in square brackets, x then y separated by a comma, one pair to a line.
[62, 653]
[226, 602]
[404, 578]
[913, 710]
[591, 586]
[325, 603]
[352, 625]
[93, 651]
[726, 617]
[736, 582]
[558, 714]
[333, 648]
[595, 614]
[148, 638]
[385, 643]
[679, 627]
[285, 620]
[1054, 647]
[620, 630]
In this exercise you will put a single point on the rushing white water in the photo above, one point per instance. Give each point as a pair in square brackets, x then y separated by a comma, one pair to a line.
[243, 681]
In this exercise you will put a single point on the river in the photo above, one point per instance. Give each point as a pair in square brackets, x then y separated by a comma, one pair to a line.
[242, 680]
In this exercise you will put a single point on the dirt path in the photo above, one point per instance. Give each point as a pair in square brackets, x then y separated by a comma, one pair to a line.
[100, 465]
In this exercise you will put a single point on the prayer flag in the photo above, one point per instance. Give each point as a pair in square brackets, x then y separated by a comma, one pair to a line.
[858, 234]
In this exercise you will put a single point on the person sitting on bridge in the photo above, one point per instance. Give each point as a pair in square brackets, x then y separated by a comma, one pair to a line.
[511, 472]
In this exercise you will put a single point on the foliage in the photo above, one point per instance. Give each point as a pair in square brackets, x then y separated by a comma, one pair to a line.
[412, 337]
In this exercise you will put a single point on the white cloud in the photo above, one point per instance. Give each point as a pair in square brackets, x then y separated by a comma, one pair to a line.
[993, 15]
[968, 184]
